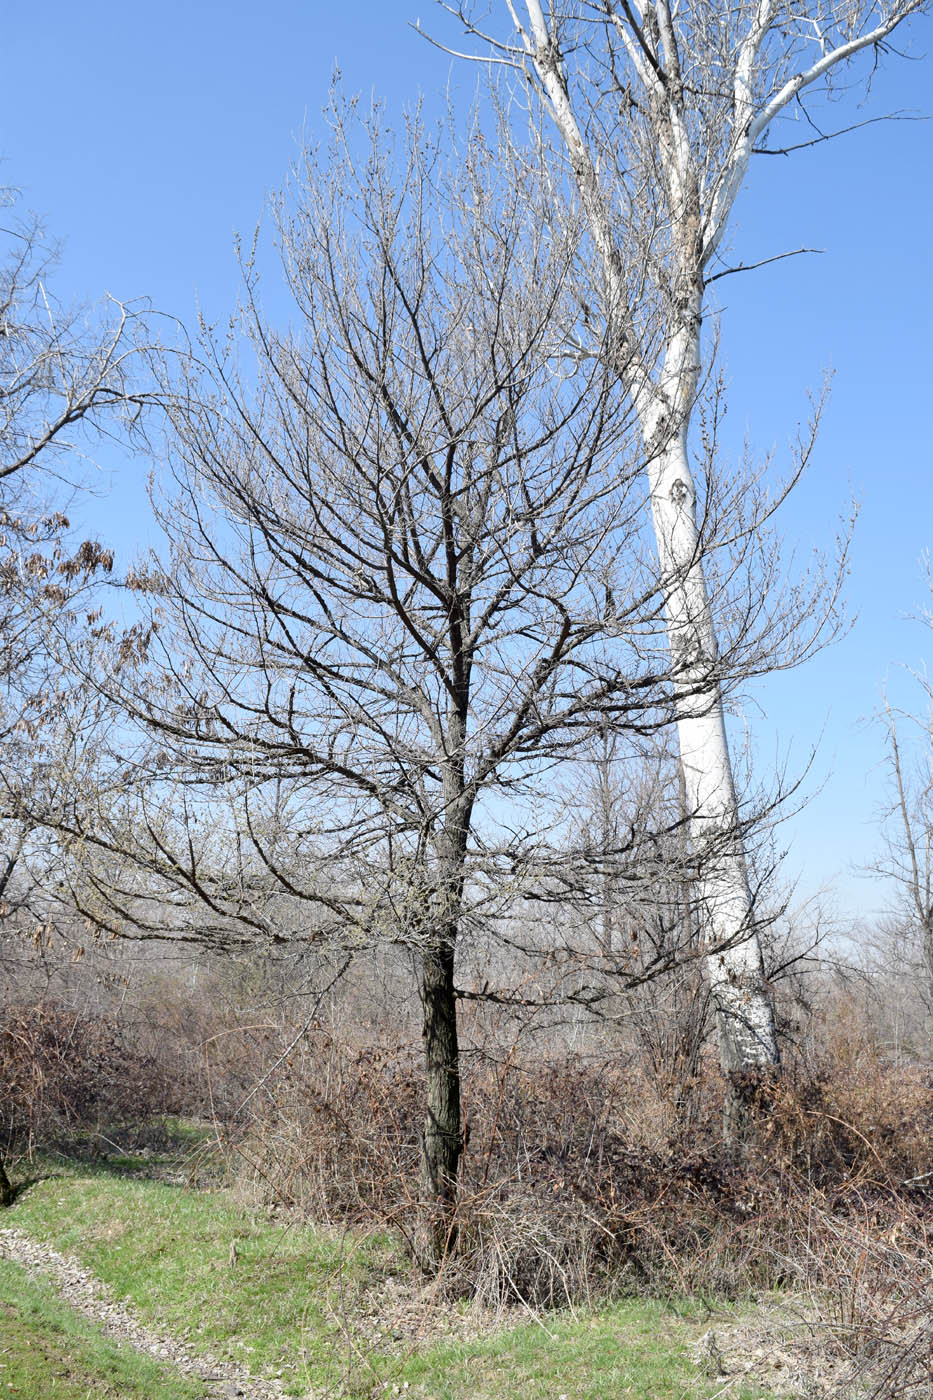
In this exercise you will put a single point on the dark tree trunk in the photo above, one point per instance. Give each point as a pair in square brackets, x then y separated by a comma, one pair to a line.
[748, 1097]
[6, 1188]
[442, 1138]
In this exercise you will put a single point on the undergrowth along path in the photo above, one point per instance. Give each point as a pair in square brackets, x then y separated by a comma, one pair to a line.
[88, 1295]
[206, 1277]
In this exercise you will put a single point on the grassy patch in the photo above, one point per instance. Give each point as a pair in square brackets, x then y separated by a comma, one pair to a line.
[269, 1297]
[50, 1352]
[634, 1349]
[158, 1146]
[290, 1300]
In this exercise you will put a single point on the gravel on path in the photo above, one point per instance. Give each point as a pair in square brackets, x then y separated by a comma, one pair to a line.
[89, 1296]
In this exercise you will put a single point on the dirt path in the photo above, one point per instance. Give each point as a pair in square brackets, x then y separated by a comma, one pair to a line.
[82, 1291]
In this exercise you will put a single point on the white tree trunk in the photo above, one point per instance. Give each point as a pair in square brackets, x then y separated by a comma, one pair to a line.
[747, 1037]
[744, 1010]
[664, 405]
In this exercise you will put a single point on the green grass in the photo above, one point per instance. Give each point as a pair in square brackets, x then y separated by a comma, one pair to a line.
[50, 1352]
[288, 1301]
[629, 1350]
[164, 1142]
[268, 1297]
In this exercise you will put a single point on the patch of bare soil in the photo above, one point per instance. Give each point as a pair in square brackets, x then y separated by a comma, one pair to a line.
[86, 1294]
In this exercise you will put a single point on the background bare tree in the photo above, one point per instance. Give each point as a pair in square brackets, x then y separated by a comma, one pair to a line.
[63, 378]
[907, 860]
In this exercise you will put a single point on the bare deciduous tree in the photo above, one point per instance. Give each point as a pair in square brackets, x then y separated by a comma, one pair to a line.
[401, 549]
[409, 576]
[908, 837]
[658, 110]
[63, 377]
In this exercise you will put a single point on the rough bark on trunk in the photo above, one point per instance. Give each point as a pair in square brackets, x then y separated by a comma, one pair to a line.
[442, 1136]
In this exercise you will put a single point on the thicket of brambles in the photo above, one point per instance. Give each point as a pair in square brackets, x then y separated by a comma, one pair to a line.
[595, 1161]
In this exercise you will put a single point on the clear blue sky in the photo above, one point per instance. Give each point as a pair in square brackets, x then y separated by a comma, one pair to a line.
[148, 135]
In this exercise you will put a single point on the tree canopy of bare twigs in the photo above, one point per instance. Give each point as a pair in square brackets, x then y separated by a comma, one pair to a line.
[64, 383]
[907, 834]
[409, 577]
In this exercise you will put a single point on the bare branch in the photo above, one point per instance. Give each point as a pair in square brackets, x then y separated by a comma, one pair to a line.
[750, 267]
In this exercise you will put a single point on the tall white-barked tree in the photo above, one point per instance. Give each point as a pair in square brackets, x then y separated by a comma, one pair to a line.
[659, 107]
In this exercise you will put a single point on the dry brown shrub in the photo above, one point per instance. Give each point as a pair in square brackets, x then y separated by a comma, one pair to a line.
[62, 1070]
[332, 1129]
[852, 1114]
[571, 1188]
[581, 1177]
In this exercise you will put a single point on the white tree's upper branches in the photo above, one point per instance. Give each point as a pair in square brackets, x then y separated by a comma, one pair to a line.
[660, 108]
